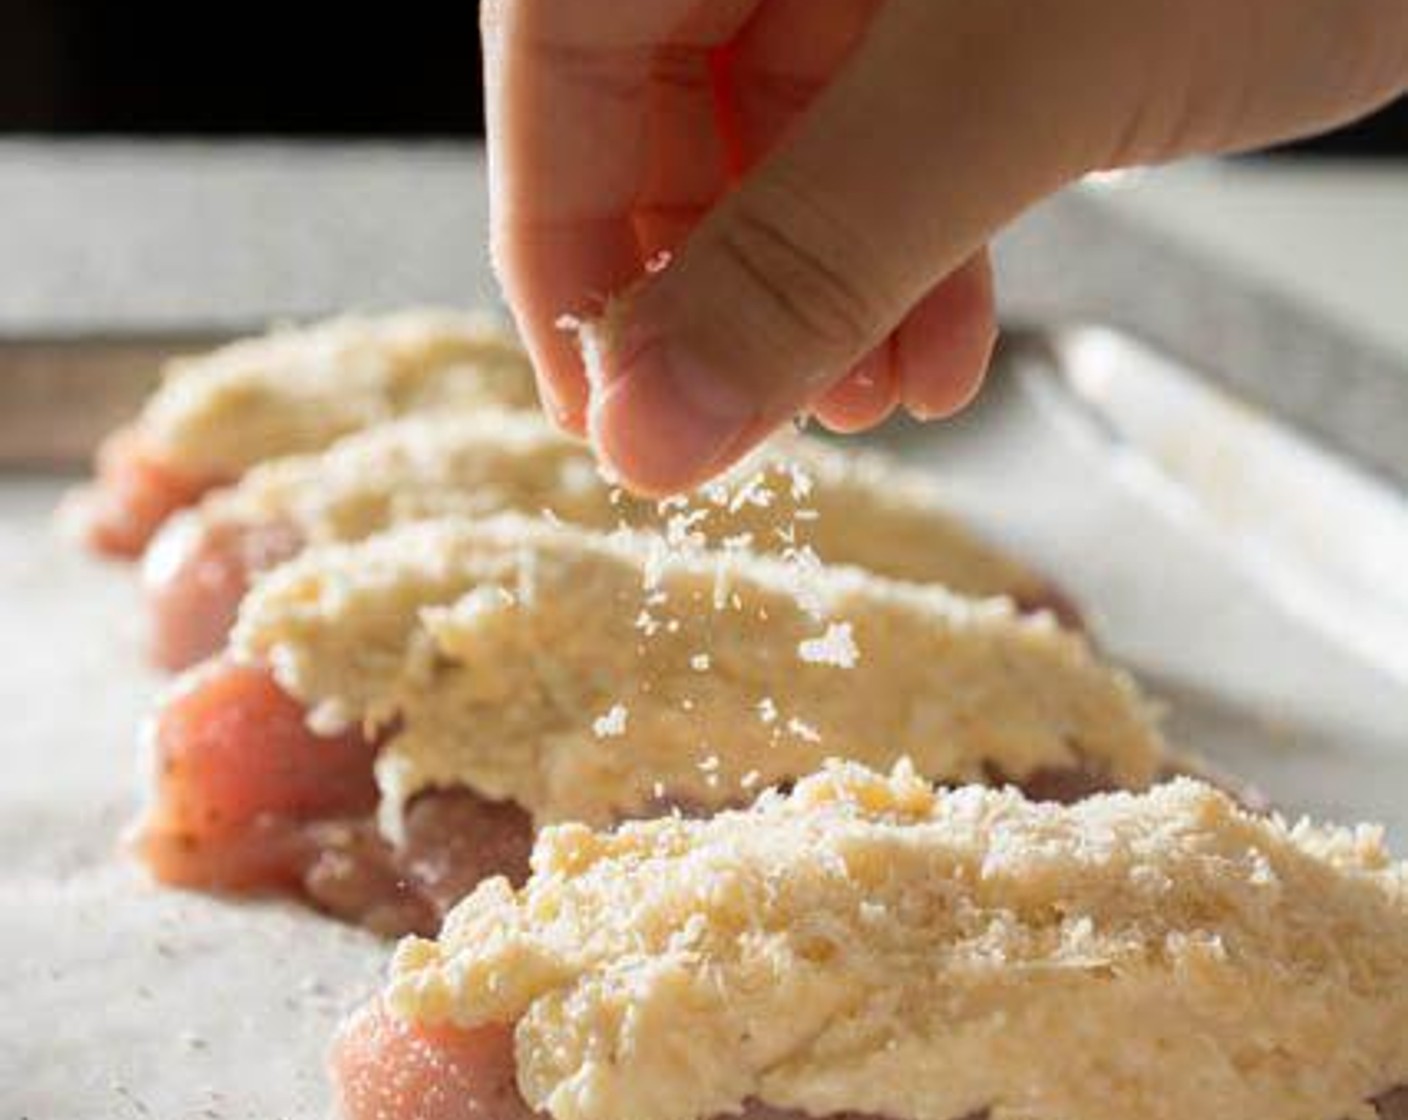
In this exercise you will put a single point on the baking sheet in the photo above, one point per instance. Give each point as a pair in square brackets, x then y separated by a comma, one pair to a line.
[124, 1001]
[121, 1000]
[63, 393]
[1207, 560]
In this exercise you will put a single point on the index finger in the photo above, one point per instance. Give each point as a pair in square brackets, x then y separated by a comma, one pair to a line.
[568, 137]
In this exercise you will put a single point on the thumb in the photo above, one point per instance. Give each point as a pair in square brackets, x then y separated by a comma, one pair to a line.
[894, 177]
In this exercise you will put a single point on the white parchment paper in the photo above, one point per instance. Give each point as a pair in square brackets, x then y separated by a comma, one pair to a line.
[117, 999]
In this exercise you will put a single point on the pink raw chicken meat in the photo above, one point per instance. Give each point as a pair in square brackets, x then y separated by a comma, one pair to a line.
[194, 577]
[249, 800]
[136, 490]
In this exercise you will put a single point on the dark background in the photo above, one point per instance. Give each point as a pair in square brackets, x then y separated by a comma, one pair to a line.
[262, 68]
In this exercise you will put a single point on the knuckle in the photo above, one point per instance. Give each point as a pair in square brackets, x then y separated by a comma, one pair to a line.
[805, 267]
[680, 67]
[604, 76]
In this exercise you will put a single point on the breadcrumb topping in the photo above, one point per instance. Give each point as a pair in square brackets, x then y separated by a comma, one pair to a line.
[298, 389]
[488, 649]
[868, 944]
[475, 462]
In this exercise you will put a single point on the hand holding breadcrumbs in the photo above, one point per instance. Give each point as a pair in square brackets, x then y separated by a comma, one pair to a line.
[823, 177]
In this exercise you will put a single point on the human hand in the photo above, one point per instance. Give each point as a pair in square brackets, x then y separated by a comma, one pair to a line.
[825, 175]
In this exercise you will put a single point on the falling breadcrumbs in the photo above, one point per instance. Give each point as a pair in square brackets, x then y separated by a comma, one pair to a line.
[611, 725]
[835, 647]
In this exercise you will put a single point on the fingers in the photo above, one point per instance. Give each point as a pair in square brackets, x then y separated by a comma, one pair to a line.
[778, 74]
[561, 228]
[686, 165]
[824, 248]
[546, 269]
[784, 58]
[863, 398]
[943, 347]
[933, 363]
[577, 97]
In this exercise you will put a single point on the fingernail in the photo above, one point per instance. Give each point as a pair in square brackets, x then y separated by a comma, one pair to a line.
[663, 419]
[958, 392]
